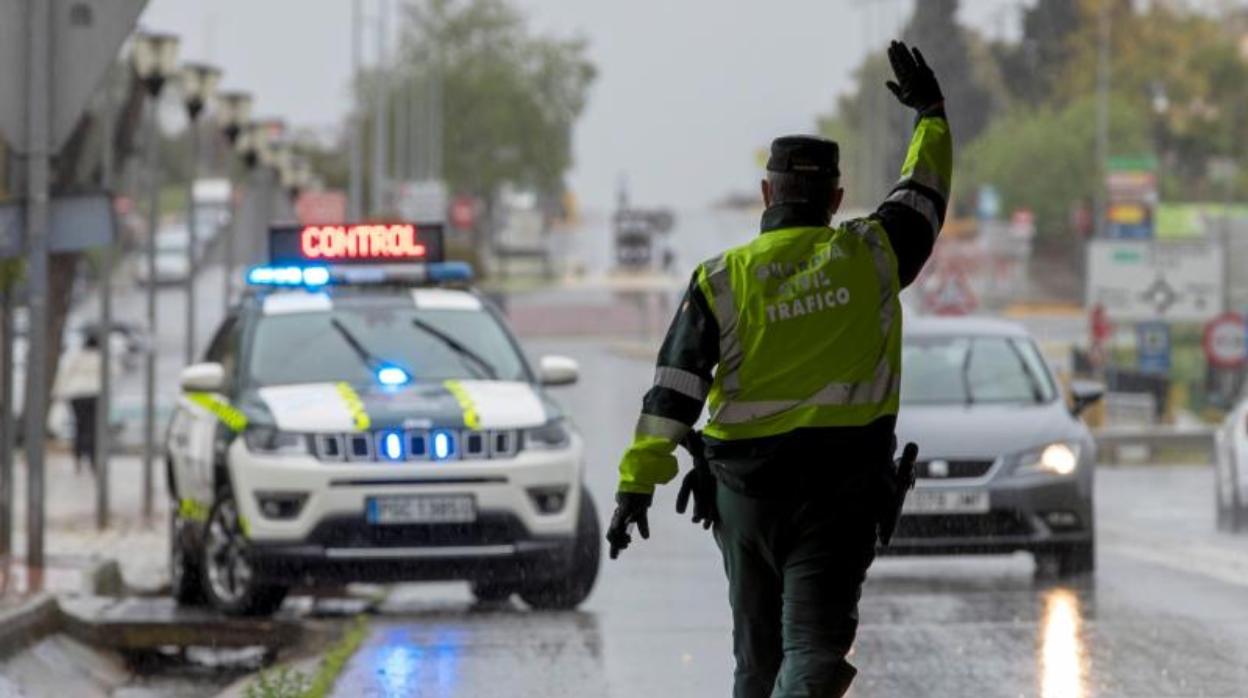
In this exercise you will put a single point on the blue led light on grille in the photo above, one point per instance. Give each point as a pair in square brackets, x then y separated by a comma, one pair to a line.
[392, 446]
[392, 376]
[443, 445]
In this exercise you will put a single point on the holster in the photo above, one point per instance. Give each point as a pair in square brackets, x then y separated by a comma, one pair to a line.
[903, 477]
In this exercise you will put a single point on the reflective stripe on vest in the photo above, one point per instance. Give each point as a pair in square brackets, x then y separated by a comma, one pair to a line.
[683, 382]
[232, 418]
[725, 305]
[661, 427]
[833, 394]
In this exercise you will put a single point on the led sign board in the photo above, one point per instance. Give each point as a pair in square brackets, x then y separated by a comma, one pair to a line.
[369, 243]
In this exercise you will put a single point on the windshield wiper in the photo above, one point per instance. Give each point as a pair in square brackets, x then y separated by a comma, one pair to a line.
[966, 373]
[484, 367]
[370, 361]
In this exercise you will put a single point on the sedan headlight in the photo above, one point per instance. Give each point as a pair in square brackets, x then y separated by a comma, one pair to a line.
[269, 440]
[552, 435]
[1060, 458]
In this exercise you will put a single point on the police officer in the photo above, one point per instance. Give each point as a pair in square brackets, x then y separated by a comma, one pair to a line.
[795, 341]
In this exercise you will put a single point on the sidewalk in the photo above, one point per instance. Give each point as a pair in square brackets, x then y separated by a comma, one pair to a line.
[72, 541]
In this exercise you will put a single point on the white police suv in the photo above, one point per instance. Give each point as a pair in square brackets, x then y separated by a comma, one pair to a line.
[362, 415]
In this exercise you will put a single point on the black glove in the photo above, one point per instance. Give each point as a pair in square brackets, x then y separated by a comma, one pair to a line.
[700, 483]
[916, 85]
[630, 508]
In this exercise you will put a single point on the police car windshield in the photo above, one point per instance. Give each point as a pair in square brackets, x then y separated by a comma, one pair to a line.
[310, 347]
[970, 370]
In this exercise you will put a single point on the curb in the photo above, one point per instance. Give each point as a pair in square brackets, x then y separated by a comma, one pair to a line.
[41, 614]
[28, 623]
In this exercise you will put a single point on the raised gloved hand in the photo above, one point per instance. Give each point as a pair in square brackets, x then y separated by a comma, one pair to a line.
[916, 85]
[630, 508]
[700, 483]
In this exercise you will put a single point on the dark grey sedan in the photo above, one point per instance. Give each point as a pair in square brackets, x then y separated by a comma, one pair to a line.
[1005, 462]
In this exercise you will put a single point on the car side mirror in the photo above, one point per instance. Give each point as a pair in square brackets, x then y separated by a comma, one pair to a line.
[206, 377]
[1084, 394]
[558, 370]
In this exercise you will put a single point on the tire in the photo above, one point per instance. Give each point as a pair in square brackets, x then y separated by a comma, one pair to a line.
[228, 578]
[185, 578]
[1066, 561]
[568, 590]
[492, 592]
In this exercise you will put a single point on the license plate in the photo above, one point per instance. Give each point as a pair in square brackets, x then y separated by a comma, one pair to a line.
[422, 509]
[946, 502]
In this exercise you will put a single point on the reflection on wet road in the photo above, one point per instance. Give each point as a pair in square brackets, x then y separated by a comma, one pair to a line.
[1150, 623]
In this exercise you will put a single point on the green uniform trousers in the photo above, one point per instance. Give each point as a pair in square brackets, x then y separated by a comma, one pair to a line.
[795, 566]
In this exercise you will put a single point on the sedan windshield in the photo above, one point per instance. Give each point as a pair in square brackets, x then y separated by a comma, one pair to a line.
[968, 370]
[349, 344]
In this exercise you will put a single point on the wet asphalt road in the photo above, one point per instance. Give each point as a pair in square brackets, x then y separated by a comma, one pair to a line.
[1165, 615]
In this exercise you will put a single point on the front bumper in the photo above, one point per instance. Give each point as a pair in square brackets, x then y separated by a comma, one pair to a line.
[1020, 518]
[330, 538]
[497, 548]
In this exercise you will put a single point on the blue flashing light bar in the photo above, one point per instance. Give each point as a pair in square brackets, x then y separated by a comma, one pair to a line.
[392, 376]
[316, 276]
[311, 277]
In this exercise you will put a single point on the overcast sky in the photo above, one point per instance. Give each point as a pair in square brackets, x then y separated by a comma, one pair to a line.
[688, 90]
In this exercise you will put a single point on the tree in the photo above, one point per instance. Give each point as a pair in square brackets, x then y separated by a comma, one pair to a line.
[1033, 68]
[509, 99]
[947, 47]
[1044, 159]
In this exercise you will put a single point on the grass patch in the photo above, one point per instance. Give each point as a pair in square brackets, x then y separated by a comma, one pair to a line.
[284, 682]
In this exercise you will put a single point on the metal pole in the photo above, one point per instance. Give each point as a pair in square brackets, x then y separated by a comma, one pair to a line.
[377, 187]
[149, 366]
[6, 420]
[228, 263]
[355, 188]
[192, 228]
[1101, 206]
[37, 143]
[103, 408]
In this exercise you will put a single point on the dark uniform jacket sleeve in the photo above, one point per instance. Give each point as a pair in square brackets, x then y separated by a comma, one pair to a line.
[673, 404]
[914, 211]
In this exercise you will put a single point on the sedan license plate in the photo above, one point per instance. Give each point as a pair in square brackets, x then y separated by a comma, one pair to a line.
[422, 509]
[946, 502]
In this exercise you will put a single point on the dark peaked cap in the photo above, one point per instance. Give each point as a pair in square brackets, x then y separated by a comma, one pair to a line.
[810, 155]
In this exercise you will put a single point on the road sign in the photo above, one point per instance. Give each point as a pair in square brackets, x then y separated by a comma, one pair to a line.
[463, 213]
[1147, 280]
[86, 35]
[321, 207]
[76, 223]
[951, 294]
[1152, 347]
[1226, 341]
[423, 200]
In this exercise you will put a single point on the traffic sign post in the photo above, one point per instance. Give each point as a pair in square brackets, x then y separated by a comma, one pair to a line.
[53, 53]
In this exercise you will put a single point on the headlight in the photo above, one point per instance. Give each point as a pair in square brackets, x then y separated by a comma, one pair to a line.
[550, 436]
[1055, 459]
[273, 441]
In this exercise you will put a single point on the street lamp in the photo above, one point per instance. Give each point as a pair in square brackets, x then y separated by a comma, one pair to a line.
[233, 114]
[199, 85]
[155, 59]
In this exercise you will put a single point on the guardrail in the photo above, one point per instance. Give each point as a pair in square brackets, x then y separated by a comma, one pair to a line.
[1110, 441]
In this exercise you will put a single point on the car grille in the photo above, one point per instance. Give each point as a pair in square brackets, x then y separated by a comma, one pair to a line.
[994, 523]
[489, 529]
[955, 469]
[417, 445]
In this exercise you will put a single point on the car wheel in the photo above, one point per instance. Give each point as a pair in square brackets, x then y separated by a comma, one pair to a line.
[185, 580]
[492, 592]
[1066, 561]
[567, 591]
[229, 579]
